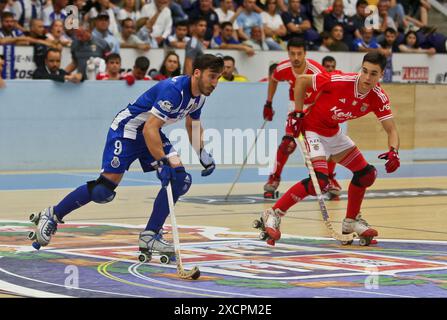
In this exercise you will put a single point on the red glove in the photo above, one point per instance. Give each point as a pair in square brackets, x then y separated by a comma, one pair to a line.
[294, 123]
[130, 79]
[392, 158]
[268, 111]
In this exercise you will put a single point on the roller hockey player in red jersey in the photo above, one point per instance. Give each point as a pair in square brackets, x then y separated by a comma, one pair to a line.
[339, 98]
[288, 70]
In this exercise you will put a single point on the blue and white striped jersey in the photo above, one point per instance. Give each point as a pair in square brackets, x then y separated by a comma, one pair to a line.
[169, 100]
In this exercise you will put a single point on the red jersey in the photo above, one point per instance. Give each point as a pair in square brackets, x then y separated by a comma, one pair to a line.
[339, 100]
[105, 76]
[284, 72]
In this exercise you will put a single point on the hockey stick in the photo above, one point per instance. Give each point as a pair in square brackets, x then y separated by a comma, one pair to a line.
[245, 161]
[194, 273]
[323, 209]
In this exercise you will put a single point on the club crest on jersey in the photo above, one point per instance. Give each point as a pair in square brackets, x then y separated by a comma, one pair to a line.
[364, 107]
[115, 163]
[165, 105]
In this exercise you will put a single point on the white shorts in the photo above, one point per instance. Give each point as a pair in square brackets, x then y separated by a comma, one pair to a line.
[321, 146]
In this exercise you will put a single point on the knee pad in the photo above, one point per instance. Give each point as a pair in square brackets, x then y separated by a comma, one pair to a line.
[288, 145]
[323, 181]
[182, 182]
[101, 190]
[365, 177]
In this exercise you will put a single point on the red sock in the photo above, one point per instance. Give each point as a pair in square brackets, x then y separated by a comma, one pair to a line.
[331, 167]
[293, 195]
[281, 159]
[354, 161]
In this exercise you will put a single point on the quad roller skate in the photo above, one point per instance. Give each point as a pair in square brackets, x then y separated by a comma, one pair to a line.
[269, 223]
[334, 189]
[362, 228]
[270, 187]
[151, 242]
[46, 222]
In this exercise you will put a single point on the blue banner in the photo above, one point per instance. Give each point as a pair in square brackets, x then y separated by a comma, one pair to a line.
[9, 55]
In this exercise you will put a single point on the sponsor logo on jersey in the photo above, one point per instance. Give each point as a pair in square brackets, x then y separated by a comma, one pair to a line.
[342, 116]
[354, 103]
[165, 105]
[385, 107]
[115, 163]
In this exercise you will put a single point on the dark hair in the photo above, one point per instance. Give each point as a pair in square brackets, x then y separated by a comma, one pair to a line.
[2, 57]
[325, 35]
[195, 21]
[375, 58]
[361, 2]
[229, 58]
[125, 20]
[416, 45]
[328, 59]
[52, 50]
[296, 43]
[177, 71]
[390, 30]
[182, 23]
[208, 61]
[6, 14]
[226, 23]
[113, 56]
[338, 24]
[142, 63]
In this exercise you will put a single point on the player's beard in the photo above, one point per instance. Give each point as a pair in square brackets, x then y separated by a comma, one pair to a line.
[205, 90]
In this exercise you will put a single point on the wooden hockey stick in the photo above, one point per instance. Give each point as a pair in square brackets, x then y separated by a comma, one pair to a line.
[334, 234]
[194, 273]
[245, 161]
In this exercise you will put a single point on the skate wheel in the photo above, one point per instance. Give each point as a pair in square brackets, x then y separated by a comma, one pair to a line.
[365, 241]
[276, 195]
[347, 243]
[34, 218]
[257, 224]
[144, 258]
[263, 236]
[164, 259]
[36, 245]
[32, 235]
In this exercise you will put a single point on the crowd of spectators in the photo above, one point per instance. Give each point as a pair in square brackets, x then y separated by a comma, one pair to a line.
[105, 26]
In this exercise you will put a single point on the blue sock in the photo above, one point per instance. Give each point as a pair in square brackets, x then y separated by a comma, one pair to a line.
[72, 201]
[160, 211]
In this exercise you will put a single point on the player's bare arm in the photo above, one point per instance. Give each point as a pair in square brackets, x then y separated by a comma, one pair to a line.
[195, 133]
[393, 136]
[152, 136]
[303, 82]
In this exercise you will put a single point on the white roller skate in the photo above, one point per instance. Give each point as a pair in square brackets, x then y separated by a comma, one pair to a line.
[151, 242]
[362, 228]
[46, 222]
[269, 223]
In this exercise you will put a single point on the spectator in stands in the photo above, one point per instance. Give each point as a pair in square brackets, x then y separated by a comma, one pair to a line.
[320, 8]
[228, 73]
[178, 14]
[9, 29]
[102, 31]
[417, 12]
[85, 46]
[274, 27]
[195, 46]
[160, 19]
[40, 42]
[57, 34]
[367, 43]
[205, 10]
[170, 67]
[397, 13]
[337, 16]
[349, 7]
[139, 71]
[430, 39]
[248, 19]
[2, 62]
[128, 11]
[385, 21]
[337, 39]
[326, 41]
[256, 40]
[145, 34]
[389, 44]
[329, 64]
[226, 13]
[55, 10]
[272, 68]
[360, 17]
[113, 68]
[225, 40]
[26, 10]
[180, 38]
[128, 39]
[104, 7]
[298, 23]
[411, 45]
[51, 70]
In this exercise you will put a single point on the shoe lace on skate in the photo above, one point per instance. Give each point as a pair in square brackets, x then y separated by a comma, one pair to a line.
[50, 228]
[159, 237]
